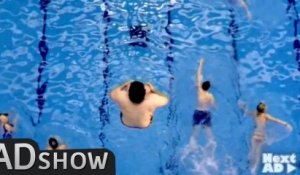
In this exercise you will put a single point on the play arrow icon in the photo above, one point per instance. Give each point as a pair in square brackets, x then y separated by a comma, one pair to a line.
[290, 168]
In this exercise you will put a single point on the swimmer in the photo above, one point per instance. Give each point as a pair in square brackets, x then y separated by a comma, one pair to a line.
[202, 115]
[138, 101]
[54, 145]
[261, 117]
[7, 126]
[8, 130]
[244, 5]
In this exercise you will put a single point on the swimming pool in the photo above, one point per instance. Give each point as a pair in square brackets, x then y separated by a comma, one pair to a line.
[60, 59]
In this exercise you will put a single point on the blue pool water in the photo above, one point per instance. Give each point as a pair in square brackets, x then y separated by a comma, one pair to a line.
[60, 59]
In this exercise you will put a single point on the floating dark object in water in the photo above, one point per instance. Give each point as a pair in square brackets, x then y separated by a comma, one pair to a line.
[139, 33]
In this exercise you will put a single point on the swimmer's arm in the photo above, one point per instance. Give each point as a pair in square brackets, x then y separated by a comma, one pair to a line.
[62, 147]
[249, 113]
[246, 111]
[199, 73]
[114, 93]
[155, 91]
[161, 99]
[125, 86]
[276, 120]
[151, 87]
[246, 8]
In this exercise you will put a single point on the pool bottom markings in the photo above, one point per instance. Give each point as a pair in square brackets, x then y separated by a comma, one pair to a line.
[296, 43]
[233, 30]
[103, 108]
[43, 49]
[172, 162]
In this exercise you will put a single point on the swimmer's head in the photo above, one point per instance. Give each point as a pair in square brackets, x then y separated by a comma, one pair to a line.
[261, 107]
[3, 117]
[53, 143]
[206, 85]
[136, 92]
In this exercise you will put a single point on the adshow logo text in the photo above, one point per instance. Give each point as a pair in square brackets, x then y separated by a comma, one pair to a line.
[22, 156]
[278, 163]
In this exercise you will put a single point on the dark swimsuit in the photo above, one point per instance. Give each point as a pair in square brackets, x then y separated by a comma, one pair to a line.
[121, 118]
[7, 135]
[202, 117]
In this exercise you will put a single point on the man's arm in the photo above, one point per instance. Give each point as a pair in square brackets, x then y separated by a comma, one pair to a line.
[199, 72]
[114, 93]
[276, 120]
[161, 99]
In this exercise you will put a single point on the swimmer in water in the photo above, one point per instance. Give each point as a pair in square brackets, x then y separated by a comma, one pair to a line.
[261, 118]
[244, 5]
[7, 126]
[138, 101]
[8, 130]
[202, 115]
[54, 145]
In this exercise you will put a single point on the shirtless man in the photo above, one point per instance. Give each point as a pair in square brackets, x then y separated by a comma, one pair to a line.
[244, 5]
[138, 102]
[261, 117]
[54, 145]
[202, 115]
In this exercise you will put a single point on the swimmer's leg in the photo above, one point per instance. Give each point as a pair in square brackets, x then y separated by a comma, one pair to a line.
[255, 153]
[209, 134]
[195, 134]
[192, 146]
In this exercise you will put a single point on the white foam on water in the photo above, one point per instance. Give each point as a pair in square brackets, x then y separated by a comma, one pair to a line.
[201, 160]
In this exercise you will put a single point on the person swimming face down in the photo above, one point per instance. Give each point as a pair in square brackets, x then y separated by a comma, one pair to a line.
[206, 85]
[137, 92]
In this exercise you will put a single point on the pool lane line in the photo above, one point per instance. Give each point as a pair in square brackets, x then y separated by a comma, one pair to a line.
[233, 30]
[170, 61]
[103, 108]
[43, 49]
[292, 3]
[296, 43]
[172, 162]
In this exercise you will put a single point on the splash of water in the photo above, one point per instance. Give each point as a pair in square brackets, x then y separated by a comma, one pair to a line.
[201, 160]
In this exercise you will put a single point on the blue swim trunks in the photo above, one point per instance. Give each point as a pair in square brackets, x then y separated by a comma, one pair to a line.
[7, 135]
[202, 117]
